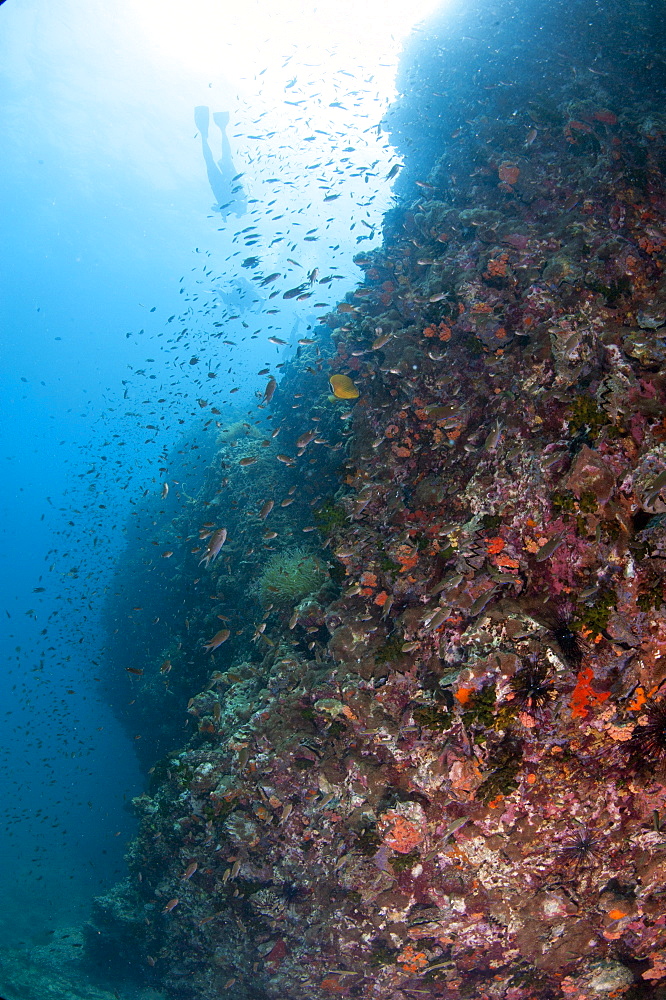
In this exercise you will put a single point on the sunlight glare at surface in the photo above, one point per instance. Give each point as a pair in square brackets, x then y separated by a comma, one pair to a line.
[242, 40]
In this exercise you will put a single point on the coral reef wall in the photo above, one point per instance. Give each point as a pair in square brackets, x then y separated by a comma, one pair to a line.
[449, 781]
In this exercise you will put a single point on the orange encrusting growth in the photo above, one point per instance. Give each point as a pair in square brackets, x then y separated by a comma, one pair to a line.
[494, 545]
[400, 833]
[584, 697]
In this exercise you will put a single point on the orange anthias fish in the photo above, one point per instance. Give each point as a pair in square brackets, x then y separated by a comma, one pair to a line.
[215, 543]
[170, 905]
[343, 387]
[217, 639]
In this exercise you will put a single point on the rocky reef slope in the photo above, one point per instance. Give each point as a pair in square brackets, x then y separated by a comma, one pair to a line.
[443, 775]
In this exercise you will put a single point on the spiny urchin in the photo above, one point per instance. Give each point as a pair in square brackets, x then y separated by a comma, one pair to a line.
[559, 620]
[647, 746]
[531, 686]
[581, 847]
[292, 892]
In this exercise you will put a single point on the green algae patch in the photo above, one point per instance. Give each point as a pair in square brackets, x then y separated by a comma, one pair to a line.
[491, 522]
[433, 717]
[303, 763]
[505, 763]
[652, 598]
[381, 955]
[612, 291]
[404, 862]
[329, 516]
[480, 708]
[391, 650]
[563, 502]
[588, 502]
[585, 415]
[596, 616]
[368, 841]
[336, 729]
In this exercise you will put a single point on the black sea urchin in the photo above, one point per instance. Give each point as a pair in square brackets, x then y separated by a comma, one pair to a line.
[291, 892]
[531, 686]
[559, 620]
[581, 848]
[647, 746]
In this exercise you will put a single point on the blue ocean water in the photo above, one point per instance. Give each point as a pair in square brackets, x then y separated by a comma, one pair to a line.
[130, 307]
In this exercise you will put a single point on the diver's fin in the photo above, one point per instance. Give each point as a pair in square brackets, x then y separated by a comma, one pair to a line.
[221, 119]
[201, 119]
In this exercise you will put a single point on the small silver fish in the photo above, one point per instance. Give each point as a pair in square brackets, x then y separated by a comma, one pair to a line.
[481, 601]
[434, 620]
[381, 340]
[304, 440]
[286, 812]
[269, 390]
[655, 489]
[215, 543]
[492, 440]
[549, 548]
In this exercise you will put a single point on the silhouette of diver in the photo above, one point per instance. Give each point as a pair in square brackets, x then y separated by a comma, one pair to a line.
[229, 195]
